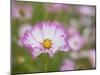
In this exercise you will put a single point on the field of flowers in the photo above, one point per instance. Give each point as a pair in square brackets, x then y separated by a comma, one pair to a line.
[49, 37]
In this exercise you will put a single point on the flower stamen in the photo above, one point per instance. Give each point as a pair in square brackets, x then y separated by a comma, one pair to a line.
[47, 43]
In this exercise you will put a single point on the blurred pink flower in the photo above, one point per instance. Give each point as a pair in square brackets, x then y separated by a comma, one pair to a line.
[21, 11]
[91, 56]
[56, 7]
[72, 31]
[76, 42]
[68, 64]
[45, 37]
[86, 10]
[21, 31]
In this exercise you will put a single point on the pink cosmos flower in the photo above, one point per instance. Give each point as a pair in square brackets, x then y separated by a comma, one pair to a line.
[87, 10]
[21, 11]
[21, 31]
[68, 64]
[45, 37]
[76, 42]
[91, 57]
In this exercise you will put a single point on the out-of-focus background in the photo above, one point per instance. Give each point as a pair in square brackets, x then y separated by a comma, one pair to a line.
[80, 24]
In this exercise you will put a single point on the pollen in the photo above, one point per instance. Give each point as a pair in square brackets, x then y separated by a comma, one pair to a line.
[47, 43]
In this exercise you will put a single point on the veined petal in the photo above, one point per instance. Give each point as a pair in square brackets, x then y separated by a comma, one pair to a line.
[28, 40]
[36, 32]
[48, 30]
[59, 38]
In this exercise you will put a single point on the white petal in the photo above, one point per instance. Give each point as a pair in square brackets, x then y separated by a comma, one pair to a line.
[48, 30]
[59, 38]
[28, 40]
[36, 32]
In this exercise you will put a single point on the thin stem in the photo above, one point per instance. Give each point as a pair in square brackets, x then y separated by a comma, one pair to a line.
[45, 62]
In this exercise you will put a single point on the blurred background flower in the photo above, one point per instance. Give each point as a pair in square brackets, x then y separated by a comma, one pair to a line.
[76, 42]
[68, 64]
[21, 12]
[92, 57]
[56, 7]
[23, 28]
[86, 10]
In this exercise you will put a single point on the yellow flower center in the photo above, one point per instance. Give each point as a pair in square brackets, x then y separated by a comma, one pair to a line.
[47, 43]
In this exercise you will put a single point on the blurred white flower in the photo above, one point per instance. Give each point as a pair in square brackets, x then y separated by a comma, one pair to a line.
[83, 54]
[86, 21]
[89, 35]
[74, 23]
[74, 55]
[20, 60]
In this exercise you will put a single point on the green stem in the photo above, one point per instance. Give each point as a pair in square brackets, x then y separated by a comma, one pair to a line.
[45, 62]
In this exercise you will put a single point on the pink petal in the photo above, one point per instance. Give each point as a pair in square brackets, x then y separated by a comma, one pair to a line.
[28, 40]
[36, 52]
[37, 33]
[48, 30]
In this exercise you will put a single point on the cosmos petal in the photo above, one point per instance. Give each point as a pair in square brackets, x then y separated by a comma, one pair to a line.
[48, 30]
[59, 38]
[36, 32]
[36, 52]
[28, 40]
